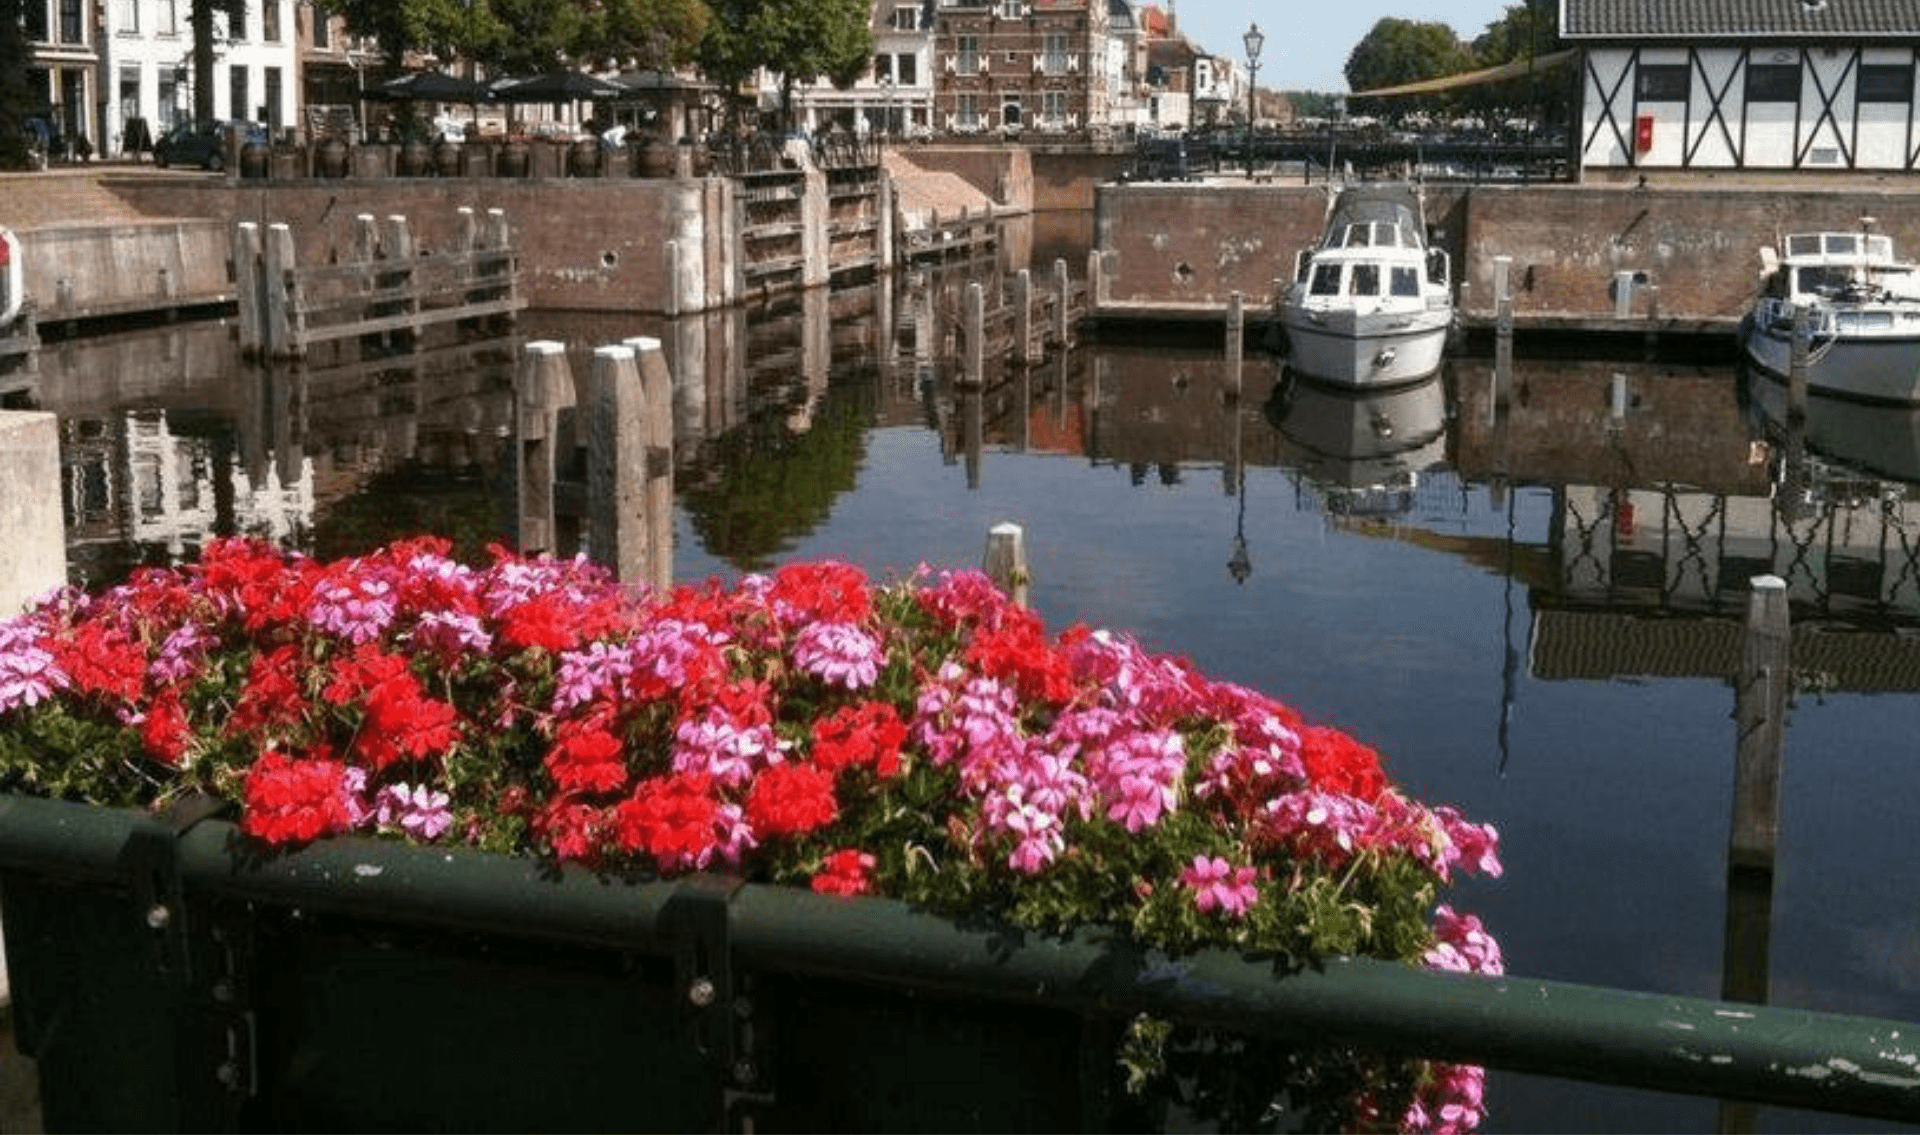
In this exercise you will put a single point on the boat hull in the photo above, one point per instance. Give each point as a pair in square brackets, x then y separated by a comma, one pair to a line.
[1879, 368]
[1375, 349]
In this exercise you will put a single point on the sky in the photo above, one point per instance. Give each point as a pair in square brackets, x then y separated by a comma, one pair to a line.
[1308, 40]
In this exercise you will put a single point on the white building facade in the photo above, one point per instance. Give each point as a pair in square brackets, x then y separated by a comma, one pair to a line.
[1747, 84]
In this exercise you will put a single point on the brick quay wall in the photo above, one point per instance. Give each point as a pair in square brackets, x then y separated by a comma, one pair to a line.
[1184, 248]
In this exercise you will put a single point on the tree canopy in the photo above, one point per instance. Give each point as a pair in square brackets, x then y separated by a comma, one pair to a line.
[798, 40]
[531, 36]
[1400, 51]
[1525, 29]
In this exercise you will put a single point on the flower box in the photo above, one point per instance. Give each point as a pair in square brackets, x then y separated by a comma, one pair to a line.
[395, 842]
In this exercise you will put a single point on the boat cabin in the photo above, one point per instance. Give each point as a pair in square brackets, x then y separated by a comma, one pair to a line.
[1837, 265]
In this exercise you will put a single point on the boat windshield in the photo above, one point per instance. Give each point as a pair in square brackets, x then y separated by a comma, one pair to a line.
[1406, 282]
[1365, 280]
[1377, 234]
[1326, 280]
[1821, 280]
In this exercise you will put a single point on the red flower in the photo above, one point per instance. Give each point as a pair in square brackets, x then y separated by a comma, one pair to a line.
[164, 731]
[1016, 651]
[791, 800]
[295, 801]
[102, 659]
[673, 818]
[398, 720]
[821, 592]
[571, 827]
[271, 696]
[848, 871]
[1338, 763]
[867, 735]
[586, 757]
[544, 621]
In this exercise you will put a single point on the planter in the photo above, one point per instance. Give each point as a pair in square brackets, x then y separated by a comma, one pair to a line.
[360, 985]
[414, 159]
[330, 158]
[583, 158]
[514, 160]
[653, 158]
[255, 159]
[446, 158]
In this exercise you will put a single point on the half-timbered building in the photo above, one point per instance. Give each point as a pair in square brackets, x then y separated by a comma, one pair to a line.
[1747, 84]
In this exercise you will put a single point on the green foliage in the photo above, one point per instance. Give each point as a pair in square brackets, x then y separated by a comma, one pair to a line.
[797, 40]
[1526, 29]
[532, 36]
[1400, 51]
[16, 97]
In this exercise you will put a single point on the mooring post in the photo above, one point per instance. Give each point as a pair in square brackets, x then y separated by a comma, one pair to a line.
[1062, 291]
[673, 278]
[1502, 329]
[1236, 342]
[1623, 295]
[396, 245]
[1023, 315]
[973, 326]
[283, 324]
[542, 386]
[33, 557]
[1797, 362]
[1760, 711]
[1096, 280]
[1006, 560]
[656, 383]
[246, 286]
[615, 424]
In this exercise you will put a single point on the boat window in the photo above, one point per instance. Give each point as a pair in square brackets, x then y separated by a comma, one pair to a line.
[1803, 244]
[1406, 282]
[1864, 320]
[1842, 244]
[1326, 280]
[1365, 280]
[1880, 247]
[1358, 236]
[1820, 280]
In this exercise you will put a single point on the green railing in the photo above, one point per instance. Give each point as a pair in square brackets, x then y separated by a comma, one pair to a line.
[168, 883]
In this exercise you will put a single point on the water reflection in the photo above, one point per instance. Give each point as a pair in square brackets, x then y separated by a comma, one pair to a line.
[1538, 606]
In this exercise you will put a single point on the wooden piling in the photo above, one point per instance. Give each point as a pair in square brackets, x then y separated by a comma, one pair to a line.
[1502, 329]
[542, 386]
[656, 381]
[1023, 315]
[1006, 560]
[283, 323]
[246, 287]
[1797, 362]
[973, 324]
[1062, 293]
[1236, 343]
[1760, 712]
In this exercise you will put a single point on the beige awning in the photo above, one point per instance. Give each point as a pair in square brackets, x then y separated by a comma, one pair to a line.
[1517, 69]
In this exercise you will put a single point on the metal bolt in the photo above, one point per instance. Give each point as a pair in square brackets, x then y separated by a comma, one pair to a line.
[223, 991]
[158, 916]
[228, 1073]
[744, 1072]
[701, 992]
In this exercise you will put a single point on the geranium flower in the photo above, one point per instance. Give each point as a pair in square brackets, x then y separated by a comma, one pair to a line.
[848, 871]
[1218, 885]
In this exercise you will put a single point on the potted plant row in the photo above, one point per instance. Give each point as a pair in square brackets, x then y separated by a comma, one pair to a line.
[363, 805]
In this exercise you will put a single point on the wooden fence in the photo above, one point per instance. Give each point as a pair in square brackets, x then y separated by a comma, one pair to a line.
[385, 286]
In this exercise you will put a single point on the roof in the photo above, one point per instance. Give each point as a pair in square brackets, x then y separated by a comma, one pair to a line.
[1739, 19]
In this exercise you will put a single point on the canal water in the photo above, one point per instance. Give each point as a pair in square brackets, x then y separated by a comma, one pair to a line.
[1532, 611]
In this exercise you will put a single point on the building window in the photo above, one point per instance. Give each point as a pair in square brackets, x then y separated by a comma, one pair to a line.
[271, 80]
[169, 17]
[1885, 82]
[169, 104]
[1662, 82]
[906, 70]
[129, 92]
[1053, 109]
[966, 112]
[1011, 113]
[71, 28]
[1013, 9]
[1054, 60]
[129, 17]
[906, 19]
[270, 20]
[969, 46]
[237, 92]
[35, 22]
[322, 29]
[1773, 82]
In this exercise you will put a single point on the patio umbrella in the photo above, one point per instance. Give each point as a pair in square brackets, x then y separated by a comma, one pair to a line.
[430, 86]
[557, 87]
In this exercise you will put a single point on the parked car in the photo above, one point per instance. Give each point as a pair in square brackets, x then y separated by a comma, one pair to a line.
[202, 144]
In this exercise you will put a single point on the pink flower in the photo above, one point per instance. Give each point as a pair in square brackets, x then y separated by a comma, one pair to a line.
[1463, 944]
[1216, 884]
[839, 654]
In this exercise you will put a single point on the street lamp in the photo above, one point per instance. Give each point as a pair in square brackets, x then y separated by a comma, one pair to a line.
[1253, 41]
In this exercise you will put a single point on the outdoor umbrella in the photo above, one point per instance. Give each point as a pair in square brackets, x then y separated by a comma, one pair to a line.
[430, 86]
[556, 87]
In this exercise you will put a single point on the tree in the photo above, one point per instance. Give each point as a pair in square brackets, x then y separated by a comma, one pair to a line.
[531, 36]
[16, 96]
[1401, 51]
[1527, 29]
[200, 23]
[798, 40]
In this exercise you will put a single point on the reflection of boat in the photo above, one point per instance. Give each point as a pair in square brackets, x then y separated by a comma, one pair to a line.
[1862, 313]
[1879, 440]
[1371, 304]
[1371, 444]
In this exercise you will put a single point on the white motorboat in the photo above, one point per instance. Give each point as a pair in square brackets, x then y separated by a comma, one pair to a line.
[1365, 449]
[1371, 304]
[1859, 310]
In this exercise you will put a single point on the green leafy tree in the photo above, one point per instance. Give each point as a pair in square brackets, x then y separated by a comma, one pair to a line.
[1529, 28]
[531, 36]
[797, 40]
[200, 22]
[16, 95]
[1402, 51]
